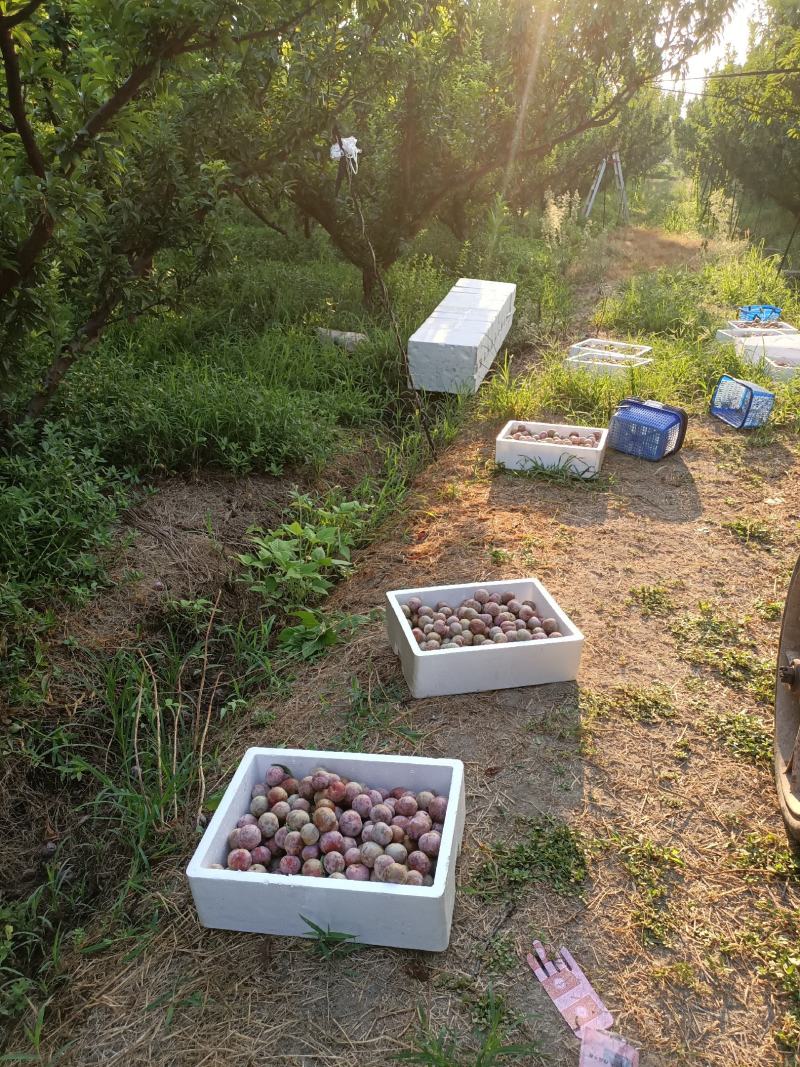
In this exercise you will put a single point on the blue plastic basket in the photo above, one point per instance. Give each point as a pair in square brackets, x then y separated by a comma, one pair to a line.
[741, 404]
[759, 313]
[647, 429]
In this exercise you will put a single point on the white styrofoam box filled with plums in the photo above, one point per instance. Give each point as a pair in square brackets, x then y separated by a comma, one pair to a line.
[375, 913]
[784, 351]
[736, 329]
[548, 445]
[490, 665]
[454, 348]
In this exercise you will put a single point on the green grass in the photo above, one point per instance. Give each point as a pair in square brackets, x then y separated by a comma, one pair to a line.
[722, 644]
[542, 851]
[644, 704]
[755, 533]
[744, 734]
[652, 600]
[653, 869]
[761, 854]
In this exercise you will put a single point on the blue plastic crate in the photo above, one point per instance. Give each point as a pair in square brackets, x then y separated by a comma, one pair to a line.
[759, 313]
[742, 404]
[647, 429]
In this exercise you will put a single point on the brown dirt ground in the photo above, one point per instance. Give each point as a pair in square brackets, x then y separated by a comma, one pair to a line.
[195, 996]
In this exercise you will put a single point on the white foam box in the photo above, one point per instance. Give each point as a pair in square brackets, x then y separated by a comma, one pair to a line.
[400, 916]
[454, 348]
[735, 329]
[606, 346]
[480, 668]
[529, 455]
[610, 364]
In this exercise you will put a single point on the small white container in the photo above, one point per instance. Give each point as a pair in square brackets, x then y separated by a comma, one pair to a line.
[530, 455]
[782, 368]
[610, 364]
[603, 346]
[476, 669]
[376, 913]
[735, 329]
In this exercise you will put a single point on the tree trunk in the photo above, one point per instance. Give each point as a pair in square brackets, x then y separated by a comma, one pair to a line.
[370, 285]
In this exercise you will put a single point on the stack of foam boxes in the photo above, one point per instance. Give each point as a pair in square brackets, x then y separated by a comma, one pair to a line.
[454, 348]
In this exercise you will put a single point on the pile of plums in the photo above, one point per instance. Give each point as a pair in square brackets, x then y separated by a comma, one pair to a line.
[483, 619]
[550, 437]
[324, 825]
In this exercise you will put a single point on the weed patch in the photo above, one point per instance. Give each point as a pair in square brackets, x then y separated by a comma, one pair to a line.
[644, 704]
[763, 854]
[546, 851]
[652, 600]
[721, 644]
[751, 532]
[653, 868]
[743, 734]
[374, 721]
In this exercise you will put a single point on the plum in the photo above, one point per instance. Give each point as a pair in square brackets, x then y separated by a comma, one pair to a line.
[336, 791]
[298, 804]
[258, 806]
[381, 865]
[362, 804]
[419, 825]
[247, 820]
[396, 874]
[405, 807]
[381, 813]
[351, 823]
[437, 809]
[292, 864]
[424, 798]
[333, 862]
[351, 791]
[257, 868]
[275, 775]
[397, 852]
[331, 842]
[310, 852]
[309, 833]
[296, 820]
[429, 843]
[312, 868]
[369, 853]
[413, 878]
[337, 874]
[248, 837]
[325, 820]
[293, 843]
[291, 785]
[419, 861]
[305, 788]
[357, 872]
[320, 780]
[281, 811]
[239, 860]
[382, 833]
[275, 794]
[352, 855]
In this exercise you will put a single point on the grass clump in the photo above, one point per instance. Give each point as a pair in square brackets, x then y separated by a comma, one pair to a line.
[644, 704]
[766, 854]
[652, 600]
[721, 644]
[373, 720]
[652, 868]
[743, 734]
[751, 532]
[545, 851]
[490, 1044]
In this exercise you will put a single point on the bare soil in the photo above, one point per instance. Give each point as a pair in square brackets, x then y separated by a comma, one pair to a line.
[195, 996]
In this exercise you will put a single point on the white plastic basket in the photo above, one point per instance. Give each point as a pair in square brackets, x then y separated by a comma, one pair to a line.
[581, 461]
[611, 364]
[476, 669]
[375, 913]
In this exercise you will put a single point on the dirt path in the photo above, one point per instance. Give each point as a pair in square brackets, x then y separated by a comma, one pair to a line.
[669, 914]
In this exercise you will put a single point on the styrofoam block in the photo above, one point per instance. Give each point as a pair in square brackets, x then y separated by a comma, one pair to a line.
[452, 351]
[478, 668]
[608, 363]
[376, 913]
[606, 346]
[527, 455]
[781, 369]
[736, 328]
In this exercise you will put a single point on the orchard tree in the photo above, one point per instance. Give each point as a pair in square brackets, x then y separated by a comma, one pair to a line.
[747, 129]
[103, 163]
[453, 102]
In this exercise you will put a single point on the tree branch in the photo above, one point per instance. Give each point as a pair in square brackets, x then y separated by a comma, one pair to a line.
[16, 103]
[259, 214]
[7, 22]
[255, 35]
